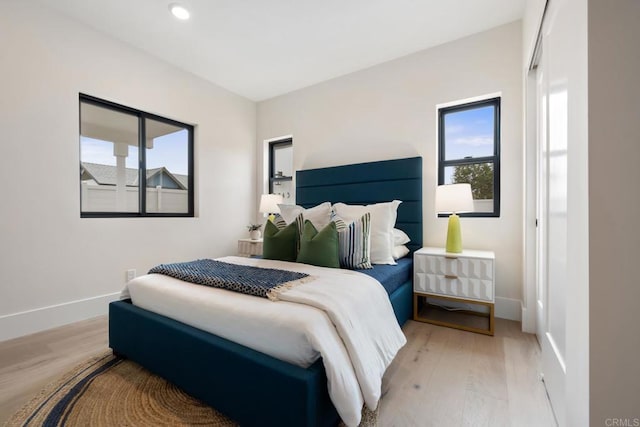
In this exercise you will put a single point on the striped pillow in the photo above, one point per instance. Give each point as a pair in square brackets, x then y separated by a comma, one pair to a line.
[354, 241]
[279, 222]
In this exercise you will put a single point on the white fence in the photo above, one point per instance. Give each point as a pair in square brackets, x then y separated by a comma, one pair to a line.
[103, 198]
[483, 205]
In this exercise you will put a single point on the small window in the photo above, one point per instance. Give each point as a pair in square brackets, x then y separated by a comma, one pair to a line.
[281, 169]
[133, 163]
[469, 144]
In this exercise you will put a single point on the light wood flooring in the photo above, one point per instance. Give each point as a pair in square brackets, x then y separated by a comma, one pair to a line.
[27, 364]
[448, 377]
[442, 377]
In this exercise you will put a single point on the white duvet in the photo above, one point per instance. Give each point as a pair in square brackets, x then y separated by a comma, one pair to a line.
[342, 315]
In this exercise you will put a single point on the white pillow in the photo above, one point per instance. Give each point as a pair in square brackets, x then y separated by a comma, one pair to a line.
[400, 251]
[400, 237]
[383, 219]
[320, 216]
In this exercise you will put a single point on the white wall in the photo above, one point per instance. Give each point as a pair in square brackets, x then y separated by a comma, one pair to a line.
[389, 111]
[50, 257]
[614, 209]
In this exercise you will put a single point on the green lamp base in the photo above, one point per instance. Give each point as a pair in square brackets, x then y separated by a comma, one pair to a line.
[454, 236]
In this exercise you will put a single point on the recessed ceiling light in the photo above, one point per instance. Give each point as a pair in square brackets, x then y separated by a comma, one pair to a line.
[179, 11]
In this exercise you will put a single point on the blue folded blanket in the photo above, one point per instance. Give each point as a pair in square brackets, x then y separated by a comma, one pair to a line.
[257, 281]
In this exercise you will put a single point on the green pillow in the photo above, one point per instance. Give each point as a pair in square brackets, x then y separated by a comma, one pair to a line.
[280, 244]
[319, 248]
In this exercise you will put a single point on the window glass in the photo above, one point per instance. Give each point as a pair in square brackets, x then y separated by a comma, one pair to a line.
[469, 142]
[469, 133]
[113, 169]
[480, 176]
[167, 167]
[281, 170]
[283, 159]
[108, 160]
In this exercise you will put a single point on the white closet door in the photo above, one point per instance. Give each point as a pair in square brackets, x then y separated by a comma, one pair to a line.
[552, 216]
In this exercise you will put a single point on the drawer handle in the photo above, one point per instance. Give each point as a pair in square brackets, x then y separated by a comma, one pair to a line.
[451, 257]
[450, 276]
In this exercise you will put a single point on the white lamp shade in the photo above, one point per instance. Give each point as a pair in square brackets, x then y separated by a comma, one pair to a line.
[454, 198]
[269, 203]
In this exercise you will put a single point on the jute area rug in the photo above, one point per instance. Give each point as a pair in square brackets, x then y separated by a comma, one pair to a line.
[109, 391]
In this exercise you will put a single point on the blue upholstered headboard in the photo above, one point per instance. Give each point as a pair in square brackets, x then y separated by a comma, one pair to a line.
[366, 183]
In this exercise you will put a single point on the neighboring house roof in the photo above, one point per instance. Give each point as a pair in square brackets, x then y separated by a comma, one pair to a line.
[184, 180]
[106, 175]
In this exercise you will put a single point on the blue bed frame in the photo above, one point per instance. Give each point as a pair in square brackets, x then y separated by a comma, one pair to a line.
[252, 388]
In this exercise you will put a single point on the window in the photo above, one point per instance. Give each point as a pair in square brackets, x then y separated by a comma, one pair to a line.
[469, 145]
[281, 169]
[133, 163]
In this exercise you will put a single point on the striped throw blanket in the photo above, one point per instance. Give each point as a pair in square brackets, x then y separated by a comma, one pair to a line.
[260, 282]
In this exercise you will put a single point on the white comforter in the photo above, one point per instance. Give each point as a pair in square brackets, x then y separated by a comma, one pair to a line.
[343, 315]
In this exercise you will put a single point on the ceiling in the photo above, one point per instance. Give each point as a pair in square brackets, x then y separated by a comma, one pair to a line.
[264, 48]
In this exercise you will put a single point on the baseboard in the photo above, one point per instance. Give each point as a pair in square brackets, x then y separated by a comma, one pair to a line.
[28, 322]
[528, 321]
[508, 308]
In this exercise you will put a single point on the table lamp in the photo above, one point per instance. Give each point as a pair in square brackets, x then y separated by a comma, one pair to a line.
[269, 204]
[454, 198]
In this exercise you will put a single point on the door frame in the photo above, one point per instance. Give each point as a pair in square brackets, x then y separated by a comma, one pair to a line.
[531, 175]
[552, 363]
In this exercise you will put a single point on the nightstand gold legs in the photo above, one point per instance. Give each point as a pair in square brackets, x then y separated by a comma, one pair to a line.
[430, 313]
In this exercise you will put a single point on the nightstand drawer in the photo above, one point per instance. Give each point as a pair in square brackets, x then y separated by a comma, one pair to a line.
[455, 266]
[454, 286]
[454, 275]
[248, 247]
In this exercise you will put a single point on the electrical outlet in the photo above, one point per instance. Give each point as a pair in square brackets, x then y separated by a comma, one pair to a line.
[131, 274]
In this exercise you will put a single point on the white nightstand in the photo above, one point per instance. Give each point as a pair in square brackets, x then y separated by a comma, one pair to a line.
[249, 247]
[467, 278]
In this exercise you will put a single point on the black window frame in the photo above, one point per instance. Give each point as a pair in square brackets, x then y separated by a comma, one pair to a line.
[142, 176]
[494, 159]
[272, 162]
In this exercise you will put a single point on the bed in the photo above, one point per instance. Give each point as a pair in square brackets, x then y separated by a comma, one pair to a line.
[239, 381]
